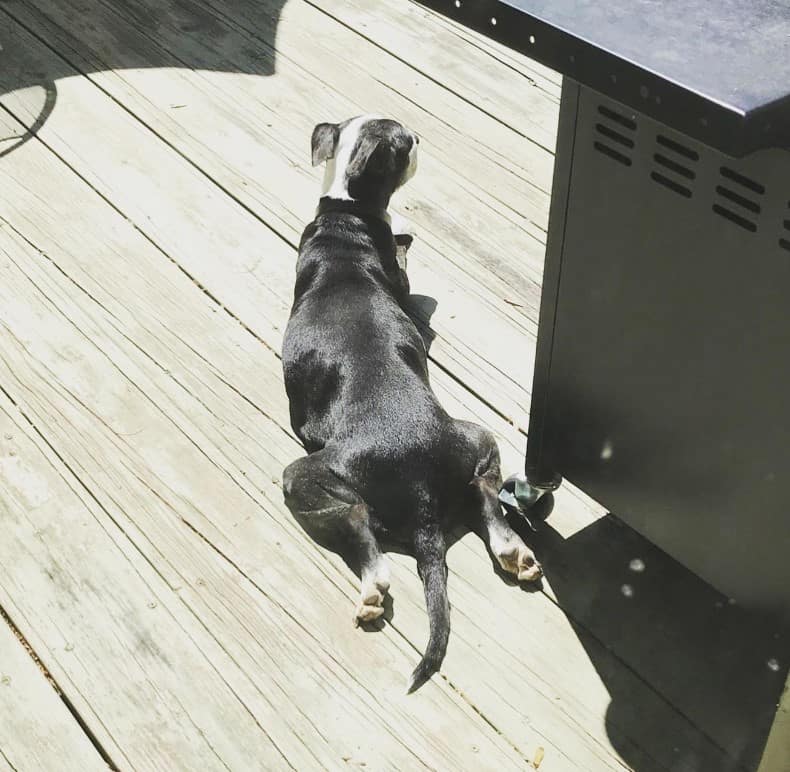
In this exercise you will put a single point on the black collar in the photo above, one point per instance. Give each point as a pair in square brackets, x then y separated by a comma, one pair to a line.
[351, 206]
[361, 210]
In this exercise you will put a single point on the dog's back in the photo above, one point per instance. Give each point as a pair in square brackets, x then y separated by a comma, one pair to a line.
[356, 367]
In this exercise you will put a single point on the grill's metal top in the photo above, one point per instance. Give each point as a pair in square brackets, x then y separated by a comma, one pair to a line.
[717, 69]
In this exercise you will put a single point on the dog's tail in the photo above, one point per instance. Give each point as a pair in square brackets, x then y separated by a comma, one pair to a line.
[430, 553]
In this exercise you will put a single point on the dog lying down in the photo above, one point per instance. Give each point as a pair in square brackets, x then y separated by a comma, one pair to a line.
[385, 461]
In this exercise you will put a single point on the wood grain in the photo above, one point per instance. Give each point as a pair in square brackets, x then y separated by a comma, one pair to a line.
[518, 94]
[98, 621]
[37, 731]
[482, 270]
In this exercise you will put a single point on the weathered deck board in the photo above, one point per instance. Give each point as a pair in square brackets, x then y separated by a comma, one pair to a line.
[204, 488]
[575, 731]
[97, 618]
[133, 434]
[36, 729]
[544, 78]
[479, 319]
[519, 95]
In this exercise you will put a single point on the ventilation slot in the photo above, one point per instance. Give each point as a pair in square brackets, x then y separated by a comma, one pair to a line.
[733, 176]
[614, 141]
[727, 214]
[671, 184]
[736, 193]
[736, 198]
[606, 150]
[615, 136]
[628, 123]
[674, 164]
[676, 147]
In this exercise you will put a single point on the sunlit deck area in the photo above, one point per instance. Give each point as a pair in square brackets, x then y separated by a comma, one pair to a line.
[160, 607]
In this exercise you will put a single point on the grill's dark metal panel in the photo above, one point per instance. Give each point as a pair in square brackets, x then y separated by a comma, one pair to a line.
[662, 368]
[663, 372]
[537, 472]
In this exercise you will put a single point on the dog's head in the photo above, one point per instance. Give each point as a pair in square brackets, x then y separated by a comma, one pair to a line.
[367, 158]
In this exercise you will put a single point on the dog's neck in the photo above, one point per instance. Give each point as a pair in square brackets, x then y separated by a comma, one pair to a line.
[327, 204]
[401, 233]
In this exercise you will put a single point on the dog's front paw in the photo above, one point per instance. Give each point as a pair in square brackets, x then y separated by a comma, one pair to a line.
[518, 559]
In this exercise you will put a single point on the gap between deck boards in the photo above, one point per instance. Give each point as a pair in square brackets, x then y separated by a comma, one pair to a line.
[6, 620]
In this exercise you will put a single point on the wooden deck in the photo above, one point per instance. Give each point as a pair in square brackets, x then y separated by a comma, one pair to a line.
[161, 609]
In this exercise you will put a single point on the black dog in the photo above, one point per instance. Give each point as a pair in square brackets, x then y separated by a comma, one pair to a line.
[385, 460]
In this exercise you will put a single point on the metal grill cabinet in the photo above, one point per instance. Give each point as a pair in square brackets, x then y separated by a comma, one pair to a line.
[662, 380]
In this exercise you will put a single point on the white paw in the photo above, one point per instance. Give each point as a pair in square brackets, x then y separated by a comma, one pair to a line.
[518, 559]
[374, 588]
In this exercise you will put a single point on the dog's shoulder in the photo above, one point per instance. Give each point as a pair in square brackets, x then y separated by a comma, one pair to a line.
[349, 242]
[308, 236]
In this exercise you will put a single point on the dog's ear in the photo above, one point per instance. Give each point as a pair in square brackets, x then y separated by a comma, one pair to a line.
[324, 142]
[372, 154]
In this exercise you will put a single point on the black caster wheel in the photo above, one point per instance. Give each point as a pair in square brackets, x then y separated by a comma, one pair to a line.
[530, 502]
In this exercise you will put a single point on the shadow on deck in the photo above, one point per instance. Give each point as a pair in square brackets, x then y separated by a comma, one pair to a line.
[186, 24]
[722, 666]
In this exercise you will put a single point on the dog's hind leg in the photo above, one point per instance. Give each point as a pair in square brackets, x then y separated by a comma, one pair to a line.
[336, 516]
[506, 545]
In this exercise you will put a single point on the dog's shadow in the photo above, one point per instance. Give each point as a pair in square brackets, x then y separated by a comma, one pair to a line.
[421, 309]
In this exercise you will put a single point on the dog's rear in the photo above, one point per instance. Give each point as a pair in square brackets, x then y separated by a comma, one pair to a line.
[385, 460]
